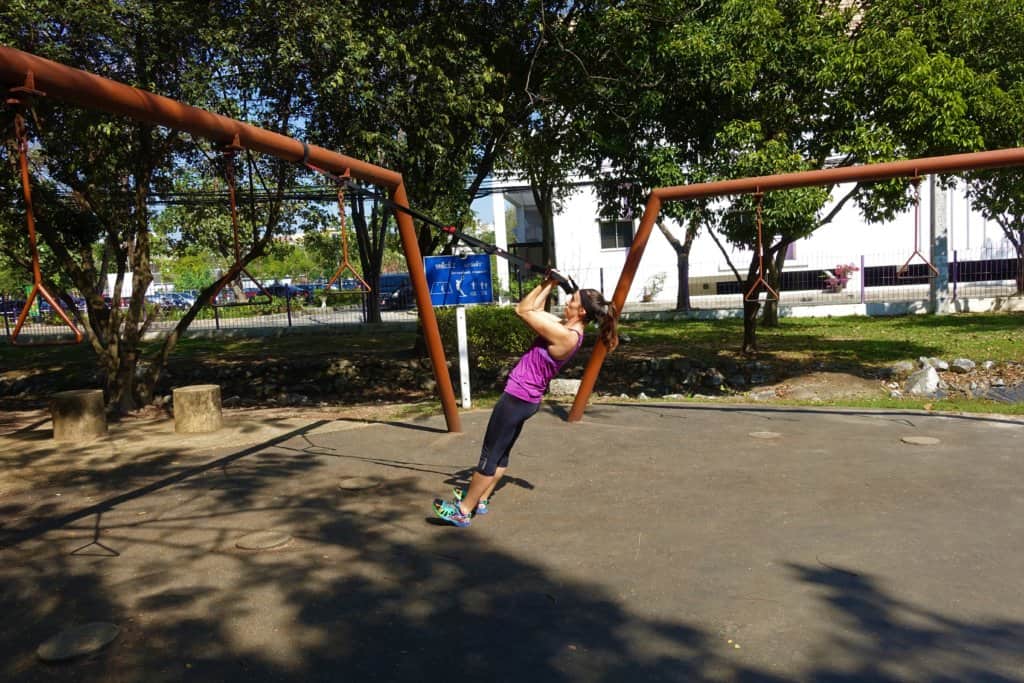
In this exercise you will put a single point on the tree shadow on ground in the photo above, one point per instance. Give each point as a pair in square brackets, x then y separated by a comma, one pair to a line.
[366, 591]
[883, 638]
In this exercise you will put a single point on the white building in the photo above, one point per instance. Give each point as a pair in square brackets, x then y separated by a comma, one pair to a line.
[593, 251]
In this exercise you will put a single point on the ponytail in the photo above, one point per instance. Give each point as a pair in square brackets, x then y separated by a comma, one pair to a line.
[604, 314]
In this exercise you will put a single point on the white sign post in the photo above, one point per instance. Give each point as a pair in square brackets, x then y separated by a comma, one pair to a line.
[460, 328]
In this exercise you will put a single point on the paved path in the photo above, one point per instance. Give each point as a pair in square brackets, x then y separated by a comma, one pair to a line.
[652, 542]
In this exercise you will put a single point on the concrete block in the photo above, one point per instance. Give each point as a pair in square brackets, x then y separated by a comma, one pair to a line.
[197, 409]
[78, 415]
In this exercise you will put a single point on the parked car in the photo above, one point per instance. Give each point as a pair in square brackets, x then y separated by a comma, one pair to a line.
[396, 292]
[11, 308]
[287, 292]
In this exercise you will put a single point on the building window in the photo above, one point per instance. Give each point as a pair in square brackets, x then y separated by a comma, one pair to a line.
[616, 234]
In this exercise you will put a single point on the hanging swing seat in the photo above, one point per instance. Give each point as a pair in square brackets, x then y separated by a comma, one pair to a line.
[753, 294]
[16, 98]
[346, 264]
[237, 270]
[904, 271]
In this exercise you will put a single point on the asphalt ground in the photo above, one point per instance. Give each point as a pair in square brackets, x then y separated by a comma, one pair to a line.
[650, 542]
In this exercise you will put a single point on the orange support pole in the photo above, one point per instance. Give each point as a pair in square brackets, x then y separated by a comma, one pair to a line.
[597, 356]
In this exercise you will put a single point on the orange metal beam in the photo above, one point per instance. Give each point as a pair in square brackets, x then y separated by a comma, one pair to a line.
[1000, 158]
[95, 92]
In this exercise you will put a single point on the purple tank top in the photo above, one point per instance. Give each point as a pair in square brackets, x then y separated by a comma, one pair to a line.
[530, 377]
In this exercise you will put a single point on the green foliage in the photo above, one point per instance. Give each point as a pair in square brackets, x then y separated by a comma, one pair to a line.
[336, 298]
[493, 333]
[189, 271]
[12, 280]
[277, 304]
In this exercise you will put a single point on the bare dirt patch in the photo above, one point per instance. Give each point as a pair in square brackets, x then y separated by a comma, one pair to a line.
[827, 386]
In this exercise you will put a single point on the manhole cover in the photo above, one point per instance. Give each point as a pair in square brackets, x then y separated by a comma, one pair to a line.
[77, 641]
[920, 440]
[263, 540]
[358, 483]
[765, 435]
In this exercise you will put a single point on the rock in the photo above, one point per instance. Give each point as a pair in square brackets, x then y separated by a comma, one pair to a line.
[998, 382]
[962, 365]
[988, 365]
[924, 382]
[564, 387]
[681, 365]
[901, 369]
[642, 396]
[713, 379]
[936, 363]
[737, 381]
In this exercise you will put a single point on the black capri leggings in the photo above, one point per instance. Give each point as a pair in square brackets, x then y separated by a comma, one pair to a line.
[502, 431]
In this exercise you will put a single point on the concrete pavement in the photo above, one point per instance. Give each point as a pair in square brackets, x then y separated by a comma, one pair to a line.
[652, 541]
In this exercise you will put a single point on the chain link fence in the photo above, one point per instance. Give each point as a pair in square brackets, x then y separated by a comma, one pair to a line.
[871, 278]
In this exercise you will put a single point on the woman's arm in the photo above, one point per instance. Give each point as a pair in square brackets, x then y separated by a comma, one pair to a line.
[530, 309]
[534, 301]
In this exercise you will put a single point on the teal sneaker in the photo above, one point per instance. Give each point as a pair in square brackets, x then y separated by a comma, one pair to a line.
[449, 511]
[481, 507]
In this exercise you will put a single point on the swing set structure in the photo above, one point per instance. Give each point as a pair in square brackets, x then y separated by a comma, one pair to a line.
[913, 169]
[28, 76]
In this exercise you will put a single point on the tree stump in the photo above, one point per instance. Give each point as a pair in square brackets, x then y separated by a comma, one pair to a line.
[78, 415]
[197, 409]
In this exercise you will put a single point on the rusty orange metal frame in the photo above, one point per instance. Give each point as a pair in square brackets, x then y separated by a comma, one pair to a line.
[95, 92]
[1001, 158]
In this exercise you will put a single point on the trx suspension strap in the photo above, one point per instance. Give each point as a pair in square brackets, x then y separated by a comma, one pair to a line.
[564, 281]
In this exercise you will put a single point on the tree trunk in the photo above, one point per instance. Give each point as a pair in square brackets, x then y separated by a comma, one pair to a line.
[775, 259]
[750, 308]
[683, 273]
[542, 197]
[682, 249]
[1020, 271]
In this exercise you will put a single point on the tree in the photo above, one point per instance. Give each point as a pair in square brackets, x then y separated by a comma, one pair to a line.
[400, 85]
[93, 175]
[96, 177]
[775, 87]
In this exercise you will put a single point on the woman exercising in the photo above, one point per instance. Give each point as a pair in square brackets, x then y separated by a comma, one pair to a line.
[557, 341]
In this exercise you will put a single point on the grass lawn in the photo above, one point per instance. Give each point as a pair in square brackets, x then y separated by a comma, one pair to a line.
[853, 340]
[853, 343]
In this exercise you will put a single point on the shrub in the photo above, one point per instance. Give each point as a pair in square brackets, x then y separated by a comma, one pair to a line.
[339, 298]
[494, 333]
[840, 277]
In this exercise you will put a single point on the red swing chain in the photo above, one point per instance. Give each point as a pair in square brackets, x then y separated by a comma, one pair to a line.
[346, 264]
[237, 269]
[16, 98]
[904, 270]
[753, 294]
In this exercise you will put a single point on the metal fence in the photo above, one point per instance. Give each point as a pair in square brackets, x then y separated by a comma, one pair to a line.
[866, 279]
[882, 279]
